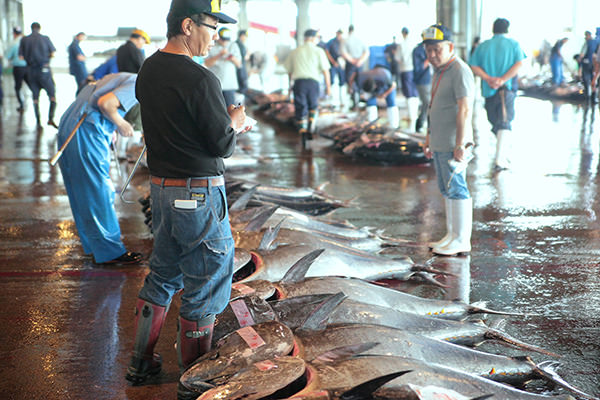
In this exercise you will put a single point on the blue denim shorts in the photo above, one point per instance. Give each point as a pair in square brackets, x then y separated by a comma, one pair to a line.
[193, 250]
[452, 186]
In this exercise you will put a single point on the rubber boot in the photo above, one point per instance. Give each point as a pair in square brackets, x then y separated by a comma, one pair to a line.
[335, 95]
[193, 340]
[448, 237]
[393, 115]
[502, 148]
[303, 131]
[313, 117]
[51, 113]
[462, 225]
[36, 111]
[149, 319]
[372, 113]
[413, 113]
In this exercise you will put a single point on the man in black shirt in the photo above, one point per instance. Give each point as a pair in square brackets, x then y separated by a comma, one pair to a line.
[130, 56]
[188, 130]
[37, 50]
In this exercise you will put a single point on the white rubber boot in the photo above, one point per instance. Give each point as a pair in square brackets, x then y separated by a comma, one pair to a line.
[462, 225]
[372, 113]
[412, 104]
[393, 115]
[448, 237]
[502, 160]
[335, 95]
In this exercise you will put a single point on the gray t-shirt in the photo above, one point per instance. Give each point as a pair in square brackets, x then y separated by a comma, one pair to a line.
[456, 82]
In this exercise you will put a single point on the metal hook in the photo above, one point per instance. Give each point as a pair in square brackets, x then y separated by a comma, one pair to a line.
[137, 163]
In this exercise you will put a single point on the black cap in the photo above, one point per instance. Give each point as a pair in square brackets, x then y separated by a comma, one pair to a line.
[186, 8]
[17, 30]
[310, 33]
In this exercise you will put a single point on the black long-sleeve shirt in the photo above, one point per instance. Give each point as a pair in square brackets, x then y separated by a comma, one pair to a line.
[186, 125]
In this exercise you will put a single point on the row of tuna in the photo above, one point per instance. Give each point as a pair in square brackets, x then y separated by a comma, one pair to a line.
[307, 319]
[370, 142]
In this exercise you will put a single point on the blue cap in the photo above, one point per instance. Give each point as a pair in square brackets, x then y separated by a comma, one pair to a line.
[436, 33]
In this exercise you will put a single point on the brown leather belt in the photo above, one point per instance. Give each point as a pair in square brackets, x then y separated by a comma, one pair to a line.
[182, 182]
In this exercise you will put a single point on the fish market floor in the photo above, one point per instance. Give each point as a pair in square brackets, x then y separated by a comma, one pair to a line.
[67, 324]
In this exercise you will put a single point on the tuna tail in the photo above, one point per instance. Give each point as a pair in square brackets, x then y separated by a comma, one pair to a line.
[365, 390]
[266, 243]
[479, 307]
[317, 320]
[546, 369]
[297, 272]
[259, 219]
[242, 201]
[493, 334]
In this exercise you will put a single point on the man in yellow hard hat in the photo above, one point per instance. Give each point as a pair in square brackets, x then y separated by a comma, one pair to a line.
[130, 55]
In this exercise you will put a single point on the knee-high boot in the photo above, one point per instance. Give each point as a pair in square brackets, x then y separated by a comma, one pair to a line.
[313, 117]
[372, 113]
[51, 112]
[193, 340]
[36, 111]
[503, 139]
[448, 237]
[462, 225]
[149, 319]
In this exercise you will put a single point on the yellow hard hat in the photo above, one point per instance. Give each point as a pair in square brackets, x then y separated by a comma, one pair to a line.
[142, 34]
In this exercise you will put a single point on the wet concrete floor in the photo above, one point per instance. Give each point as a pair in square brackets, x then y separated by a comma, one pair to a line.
[67, 324]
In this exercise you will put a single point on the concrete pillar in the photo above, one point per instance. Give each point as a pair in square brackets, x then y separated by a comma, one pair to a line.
[243, 23]
[302, 20]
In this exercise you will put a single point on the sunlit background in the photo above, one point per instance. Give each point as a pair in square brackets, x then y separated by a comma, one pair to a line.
[532, 21]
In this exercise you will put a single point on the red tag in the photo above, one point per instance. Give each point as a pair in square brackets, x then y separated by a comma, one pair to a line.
[240, 309]
[251, 337]
[243, 289]
[265, 365]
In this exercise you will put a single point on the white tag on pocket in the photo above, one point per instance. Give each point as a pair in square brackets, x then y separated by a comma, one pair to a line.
[186, 204]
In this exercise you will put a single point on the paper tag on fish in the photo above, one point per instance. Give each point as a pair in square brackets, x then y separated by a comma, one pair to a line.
[240, 309]
[251, 337]
[243, 289]
[265, 365]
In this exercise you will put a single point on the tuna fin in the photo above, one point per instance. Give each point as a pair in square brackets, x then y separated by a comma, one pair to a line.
[485, 396]
[425, 268]
[546, 369]
[242, 201]
[494, 334]
[297, 272]
[477, 308]
[366, 389]
[249, 214]
[259, 219]
[266, 243]
[344, 352]
[317, 320]
[430, 279]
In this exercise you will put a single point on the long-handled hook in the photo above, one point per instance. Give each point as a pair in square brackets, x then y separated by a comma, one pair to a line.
[137, 163]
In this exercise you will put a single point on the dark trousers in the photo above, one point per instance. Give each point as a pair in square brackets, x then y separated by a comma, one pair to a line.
[19, 75]
[38, 79]
[306, 97]
[500, 109]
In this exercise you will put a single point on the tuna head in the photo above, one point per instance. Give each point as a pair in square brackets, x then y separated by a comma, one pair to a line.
[243, 311]
[236, 351]
[259, 379]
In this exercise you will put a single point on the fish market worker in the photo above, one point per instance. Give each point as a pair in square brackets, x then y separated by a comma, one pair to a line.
[306, 65]
[188, 131]
[85, 164]
[378, 83]
[449, 136]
